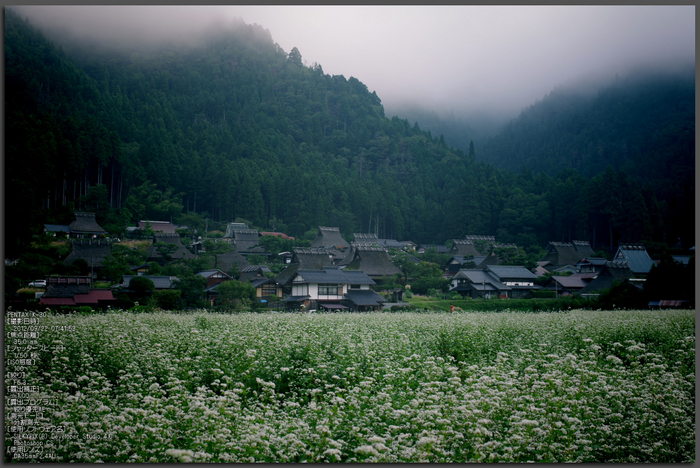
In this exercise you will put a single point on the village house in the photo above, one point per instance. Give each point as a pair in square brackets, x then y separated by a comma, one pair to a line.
[214, 277]
[519, 279]
[499, 254]
[465, 247]
[636, 257]
[591, 265]
[504, 281]
[476, 283]
[406, 246]
[84, 225]
[303, 258]
[160, 283]
[565, 285]
[265, 287]
[374, 261]
[559, 254]
[75, 291]
[244, 240]
[178, 251]
[92, 251]
[330, 288]
[615, 271]
[482, 244]
[330, 239]
[230, 261]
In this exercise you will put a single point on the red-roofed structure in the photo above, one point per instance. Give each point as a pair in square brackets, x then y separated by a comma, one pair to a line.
[280, 234]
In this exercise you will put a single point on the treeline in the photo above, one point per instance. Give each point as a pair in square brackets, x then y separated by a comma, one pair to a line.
[234, 127]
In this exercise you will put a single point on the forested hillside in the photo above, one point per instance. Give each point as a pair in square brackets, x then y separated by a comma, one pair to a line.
[235, 127]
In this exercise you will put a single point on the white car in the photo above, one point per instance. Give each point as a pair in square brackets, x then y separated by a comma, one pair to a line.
[38, 284]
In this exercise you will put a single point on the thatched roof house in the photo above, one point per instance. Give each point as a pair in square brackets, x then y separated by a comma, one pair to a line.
[482, 244]
[566, 253]
[329, 237]
[246, 241]
[374, 261]
[85, 225]
[94, 252]
[464, 247]
[314, 258]
[168, 238]
[231, 260]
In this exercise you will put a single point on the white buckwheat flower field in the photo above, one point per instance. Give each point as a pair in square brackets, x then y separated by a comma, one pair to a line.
[573, 386]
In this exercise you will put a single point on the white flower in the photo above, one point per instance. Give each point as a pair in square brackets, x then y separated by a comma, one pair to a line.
[366, 450]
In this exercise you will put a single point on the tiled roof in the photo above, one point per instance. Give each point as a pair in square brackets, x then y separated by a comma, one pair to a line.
[56, 227]
[478, 278]
[364, 297]
[357, 277]
[158, 226]
[570, 282]
[159, 282]
[636, 256]
[332, 275]
[511, 272]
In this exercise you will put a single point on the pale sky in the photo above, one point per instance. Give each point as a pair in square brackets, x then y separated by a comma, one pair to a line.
[460, 58]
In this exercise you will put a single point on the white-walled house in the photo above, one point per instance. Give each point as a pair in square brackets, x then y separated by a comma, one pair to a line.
[330, 288]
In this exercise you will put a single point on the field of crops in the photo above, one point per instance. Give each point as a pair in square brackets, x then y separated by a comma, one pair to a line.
[575, 386]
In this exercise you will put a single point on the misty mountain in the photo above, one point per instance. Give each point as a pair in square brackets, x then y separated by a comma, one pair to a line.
[459, 131]
[231, 126]
[643, 124]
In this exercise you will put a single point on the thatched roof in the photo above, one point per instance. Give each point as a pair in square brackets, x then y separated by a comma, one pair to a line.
[313, 258]
[350, 253]
[93, 252]
[567, 253]
[361, 237]
[253, 272]
[374, 261]
[479, 241]
[85, 223]
[329, 237]
[168, 238]
[232, 227]
[463, 247]
[246, 241]
[227, 261]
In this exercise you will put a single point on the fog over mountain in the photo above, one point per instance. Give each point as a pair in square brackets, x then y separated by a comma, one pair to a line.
[458, 61]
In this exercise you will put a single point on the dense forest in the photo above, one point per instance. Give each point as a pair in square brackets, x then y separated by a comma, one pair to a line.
[233, 127]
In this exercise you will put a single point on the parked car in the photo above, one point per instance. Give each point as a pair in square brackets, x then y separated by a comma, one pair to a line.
[41, 283]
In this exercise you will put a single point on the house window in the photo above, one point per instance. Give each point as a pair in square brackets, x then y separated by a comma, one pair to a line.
[355, 286]
[300, 290]
[269, 289]
[328, 289]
